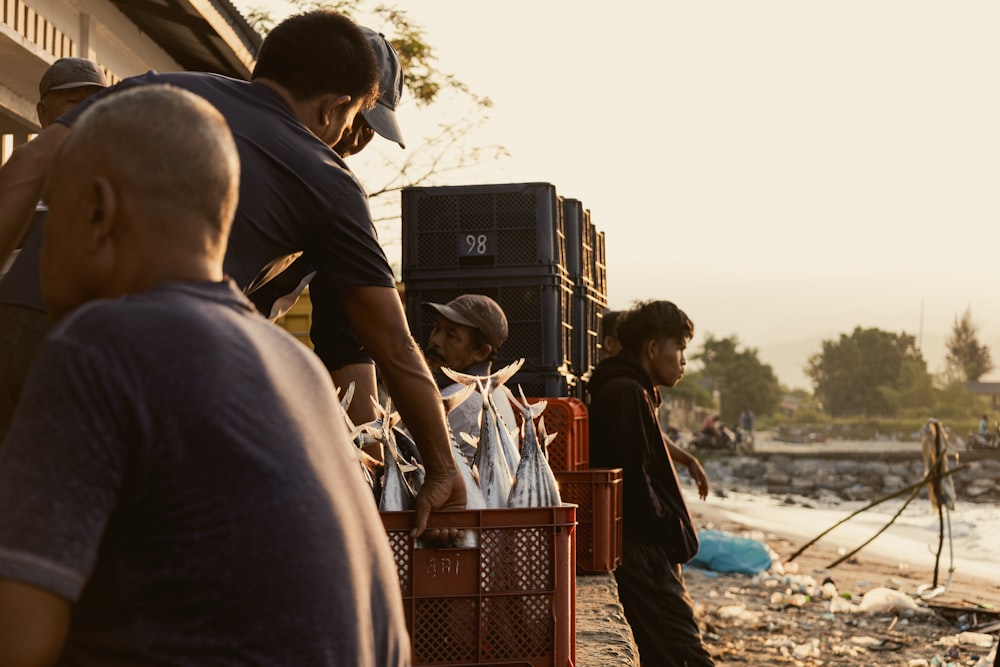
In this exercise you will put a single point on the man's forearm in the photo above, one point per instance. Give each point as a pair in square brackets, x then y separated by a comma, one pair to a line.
[418, 401]
[22, 180]
[677, 454]
[378, 320]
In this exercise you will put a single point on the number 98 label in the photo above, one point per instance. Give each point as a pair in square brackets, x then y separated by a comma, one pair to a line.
[476, 244]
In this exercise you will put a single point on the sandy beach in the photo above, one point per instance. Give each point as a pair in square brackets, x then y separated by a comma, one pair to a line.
[769, 620]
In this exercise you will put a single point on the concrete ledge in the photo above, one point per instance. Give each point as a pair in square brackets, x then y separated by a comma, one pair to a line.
[603, 636]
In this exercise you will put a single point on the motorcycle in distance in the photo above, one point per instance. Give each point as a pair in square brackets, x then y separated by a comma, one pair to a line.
[988, 440]
[729, 440]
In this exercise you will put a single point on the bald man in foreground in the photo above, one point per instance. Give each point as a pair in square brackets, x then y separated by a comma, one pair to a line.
[175, 489]
[315, 73]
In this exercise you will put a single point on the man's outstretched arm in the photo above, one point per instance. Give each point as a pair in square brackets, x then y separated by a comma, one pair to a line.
[22, 180]
[377, 318]
[688, 460]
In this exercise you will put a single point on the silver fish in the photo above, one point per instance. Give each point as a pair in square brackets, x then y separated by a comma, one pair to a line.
[473, 494]
[406, 451]
[495, 477]
[397, 494]
[494, 382]
[474, 499]
[369, 465]
[545, 439]
[534, 483]
[345, 400]
[414, 474]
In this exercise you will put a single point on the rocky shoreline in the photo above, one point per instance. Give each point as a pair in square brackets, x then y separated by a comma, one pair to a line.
[846, 475]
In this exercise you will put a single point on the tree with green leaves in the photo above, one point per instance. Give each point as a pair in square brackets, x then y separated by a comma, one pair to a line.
[740, 377]
[867, 373]
[968, 359]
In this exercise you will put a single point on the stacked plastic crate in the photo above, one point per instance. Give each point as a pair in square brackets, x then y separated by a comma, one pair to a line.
[506, 241]
[589, 302]
[541, 258]
[509, 598]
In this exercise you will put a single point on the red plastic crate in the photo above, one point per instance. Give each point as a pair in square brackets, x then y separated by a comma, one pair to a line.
[511, 600]
[598, 495]
[567, 418]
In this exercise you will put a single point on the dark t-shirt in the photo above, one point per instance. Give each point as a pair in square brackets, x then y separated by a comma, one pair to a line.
[21, 285]
[625, 433]
[297, 199]
[180, 469]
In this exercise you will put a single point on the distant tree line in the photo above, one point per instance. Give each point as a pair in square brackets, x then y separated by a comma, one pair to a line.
[868, 373]
[735, 375]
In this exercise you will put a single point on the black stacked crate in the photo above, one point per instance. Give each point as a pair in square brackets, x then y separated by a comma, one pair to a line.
[600, 265]
[580, 262]
[506, 241]
[505, 229]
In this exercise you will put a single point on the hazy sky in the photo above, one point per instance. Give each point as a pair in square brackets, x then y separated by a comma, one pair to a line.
[783, 170]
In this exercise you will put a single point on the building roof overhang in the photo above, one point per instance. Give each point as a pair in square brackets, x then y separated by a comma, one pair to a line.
[201, 35]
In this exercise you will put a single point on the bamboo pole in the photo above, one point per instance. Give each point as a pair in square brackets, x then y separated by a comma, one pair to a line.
[895, 494]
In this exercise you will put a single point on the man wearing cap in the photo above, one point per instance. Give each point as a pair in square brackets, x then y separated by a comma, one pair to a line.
[315, 73]
[468, 332]
[381, 118]
[331, 334]
[23, 315]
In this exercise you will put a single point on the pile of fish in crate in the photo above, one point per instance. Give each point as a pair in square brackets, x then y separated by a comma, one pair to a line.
[506, 592]
[510, 468]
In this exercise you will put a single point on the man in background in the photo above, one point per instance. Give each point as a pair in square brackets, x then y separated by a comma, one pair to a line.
[468, 333]
[23, 315]
[178, 485]
[609, 336]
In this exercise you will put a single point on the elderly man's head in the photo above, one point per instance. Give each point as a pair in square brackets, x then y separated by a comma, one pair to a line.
[468, 330]
[144, 193]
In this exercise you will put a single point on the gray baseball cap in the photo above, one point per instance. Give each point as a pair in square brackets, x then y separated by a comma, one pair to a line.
[477, 311]
[382, 117]
[71, 73]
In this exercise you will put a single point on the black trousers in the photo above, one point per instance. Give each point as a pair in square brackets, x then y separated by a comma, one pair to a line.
[659, 609]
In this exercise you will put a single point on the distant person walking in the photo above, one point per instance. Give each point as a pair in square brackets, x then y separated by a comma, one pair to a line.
[747, 424]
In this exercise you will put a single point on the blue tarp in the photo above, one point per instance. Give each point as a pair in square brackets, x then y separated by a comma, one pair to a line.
[719, 551]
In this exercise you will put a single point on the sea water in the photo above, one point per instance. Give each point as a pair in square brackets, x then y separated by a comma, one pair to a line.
[912, 539]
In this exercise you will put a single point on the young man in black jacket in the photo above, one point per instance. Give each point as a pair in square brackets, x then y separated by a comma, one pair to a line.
[658, 533]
